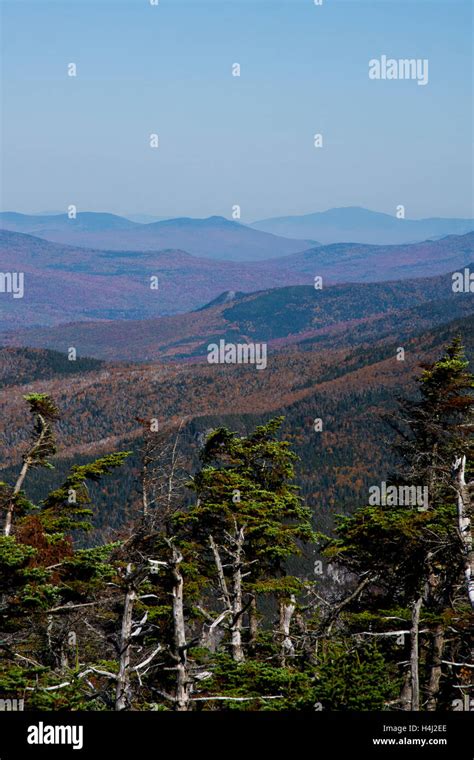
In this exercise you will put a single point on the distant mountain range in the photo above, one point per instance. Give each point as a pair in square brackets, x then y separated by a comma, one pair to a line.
[349, 262]
[353, 224]
[86, 221]
[342, 315]
[222, 239]
[65, 283]
[212, 238]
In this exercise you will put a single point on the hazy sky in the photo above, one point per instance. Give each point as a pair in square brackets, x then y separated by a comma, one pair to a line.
[228, 140]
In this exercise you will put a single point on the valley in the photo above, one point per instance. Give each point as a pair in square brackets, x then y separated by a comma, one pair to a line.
[349, 388]
[339, 315]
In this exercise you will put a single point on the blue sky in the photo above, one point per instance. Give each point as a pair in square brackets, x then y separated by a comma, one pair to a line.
[226, 140]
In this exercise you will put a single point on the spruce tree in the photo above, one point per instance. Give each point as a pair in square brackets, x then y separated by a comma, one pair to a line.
[408, 563]
[249, 520]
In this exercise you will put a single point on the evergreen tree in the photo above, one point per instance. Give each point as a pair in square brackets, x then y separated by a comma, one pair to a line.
[46, 581]
[249, 520]
[412, 559]
[436, 428]
[42, 447]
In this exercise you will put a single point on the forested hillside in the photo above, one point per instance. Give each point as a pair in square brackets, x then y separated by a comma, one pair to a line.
[328, 316]
[348, 388]
[222, 586]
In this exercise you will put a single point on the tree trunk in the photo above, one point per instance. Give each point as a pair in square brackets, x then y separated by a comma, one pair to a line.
[9, 516]
[236, 625]
[287, 610]
[236, 598]
[435, 667]
[253, 624]
[145, 489]
[464, 524]
[432, 474]
[210, 637]
[27, 462]
[179, 630]
[220, 573]
[233, 598]
[414, 674]
[406, 694]
[122, 691]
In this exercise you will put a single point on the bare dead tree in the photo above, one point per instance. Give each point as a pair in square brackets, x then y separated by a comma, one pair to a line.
[464, 508]
[231, 588]
[414, 655]
[122, 691]
[287, 610]
[435, 667]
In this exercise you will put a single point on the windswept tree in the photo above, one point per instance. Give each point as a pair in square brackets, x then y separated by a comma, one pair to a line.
[46, 580]
[249, 520]
[42, 446]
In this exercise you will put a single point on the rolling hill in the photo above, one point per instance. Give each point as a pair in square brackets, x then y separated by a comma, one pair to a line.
[353, 224]
[212, 238]
[86, 221]
[340, 315]
[68, 284]
[220, 238]
[349, 262]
